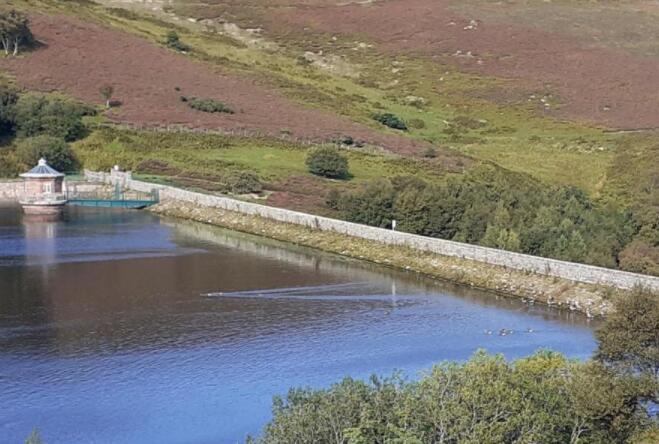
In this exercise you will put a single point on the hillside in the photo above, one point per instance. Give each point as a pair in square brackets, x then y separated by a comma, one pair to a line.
[520, 111]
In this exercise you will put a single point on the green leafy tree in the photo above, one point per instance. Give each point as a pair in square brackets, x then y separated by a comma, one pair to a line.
[55, 150]
[8, 99]
[36, 114]
[14, 30]
[327, 162]
[629, 339]
[374, 205]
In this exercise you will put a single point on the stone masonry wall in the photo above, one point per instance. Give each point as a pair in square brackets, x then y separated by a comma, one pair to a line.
[549, 267]
[10, 190]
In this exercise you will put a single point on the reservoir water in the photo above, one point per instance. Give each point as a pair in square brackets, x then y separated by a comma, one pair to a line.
[122, 327]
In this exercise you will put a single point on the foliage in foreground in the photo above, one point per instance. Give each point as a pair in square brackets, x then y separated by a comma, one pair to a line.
[541, 399]
[544, 398]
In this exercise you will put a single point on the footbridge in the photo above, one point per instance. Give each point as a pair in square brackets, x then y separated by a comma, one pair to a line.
[117, 197]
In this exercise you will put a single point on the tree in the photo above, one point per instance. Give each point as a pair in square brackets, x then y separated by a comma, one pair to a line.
[172, 40]
[327, 162]
[106, 92]
[8, 99]
[49, 114]
[55, 150]
[372, 206]
[629, 339]
[14, 30]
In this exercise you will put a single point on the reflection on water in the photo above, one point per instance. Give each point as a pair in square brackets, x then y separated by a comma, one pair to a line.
[118, 326]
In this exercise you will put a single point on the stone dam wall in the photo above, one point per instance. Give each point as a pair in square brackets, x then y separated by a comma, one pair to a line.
[548, 267]
[10, 190]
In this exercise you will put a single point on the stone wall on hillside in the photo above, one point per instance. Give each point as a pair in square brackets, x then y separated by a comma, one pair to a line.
[549, 267]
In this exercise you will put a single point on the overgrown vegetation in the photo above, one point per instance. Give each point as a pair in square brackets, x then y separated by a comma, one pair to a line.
[495, 208]
[544, 398]
[327, 162]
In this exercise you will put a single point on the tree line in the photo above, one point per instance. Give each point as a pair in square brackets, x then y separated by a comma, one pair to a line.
[497, 208]
[35, 125]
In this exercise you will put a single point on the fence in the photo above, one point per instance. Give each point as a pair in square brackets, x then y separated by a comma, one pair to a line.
[549, 267]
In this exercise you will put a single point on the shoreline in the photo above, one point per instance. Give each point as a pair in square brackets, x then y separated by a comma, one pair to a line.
[589, 299]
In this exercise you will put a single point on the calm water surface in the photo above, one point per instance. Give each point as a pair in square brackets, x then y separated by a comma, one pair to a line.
[120, 327]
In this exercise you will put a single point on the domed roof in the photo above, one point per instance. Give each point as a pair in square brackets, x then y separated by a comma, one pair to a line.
[42, 170]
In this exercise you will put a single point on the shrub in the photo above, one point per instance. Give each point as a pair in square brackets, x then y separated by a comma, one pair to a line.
[243, 182]
[207, 105]
[173, 41]
[429, 153]
[55, 150]
[332, 199]
[390, 120]
[327, 162]
[416, 124]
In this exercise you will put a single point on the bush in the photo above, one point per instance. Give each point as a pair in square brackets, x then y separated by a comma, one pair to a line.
[243, 182]
[429, 153]
[52, 115]
[55, 150]
[390, 120]
[173, 41]
[327, 162]
[416, 124]
[207, 105]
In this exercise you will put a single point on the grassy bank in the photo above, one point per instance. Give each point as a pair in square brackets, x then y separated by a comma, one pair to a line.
[589, 299]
